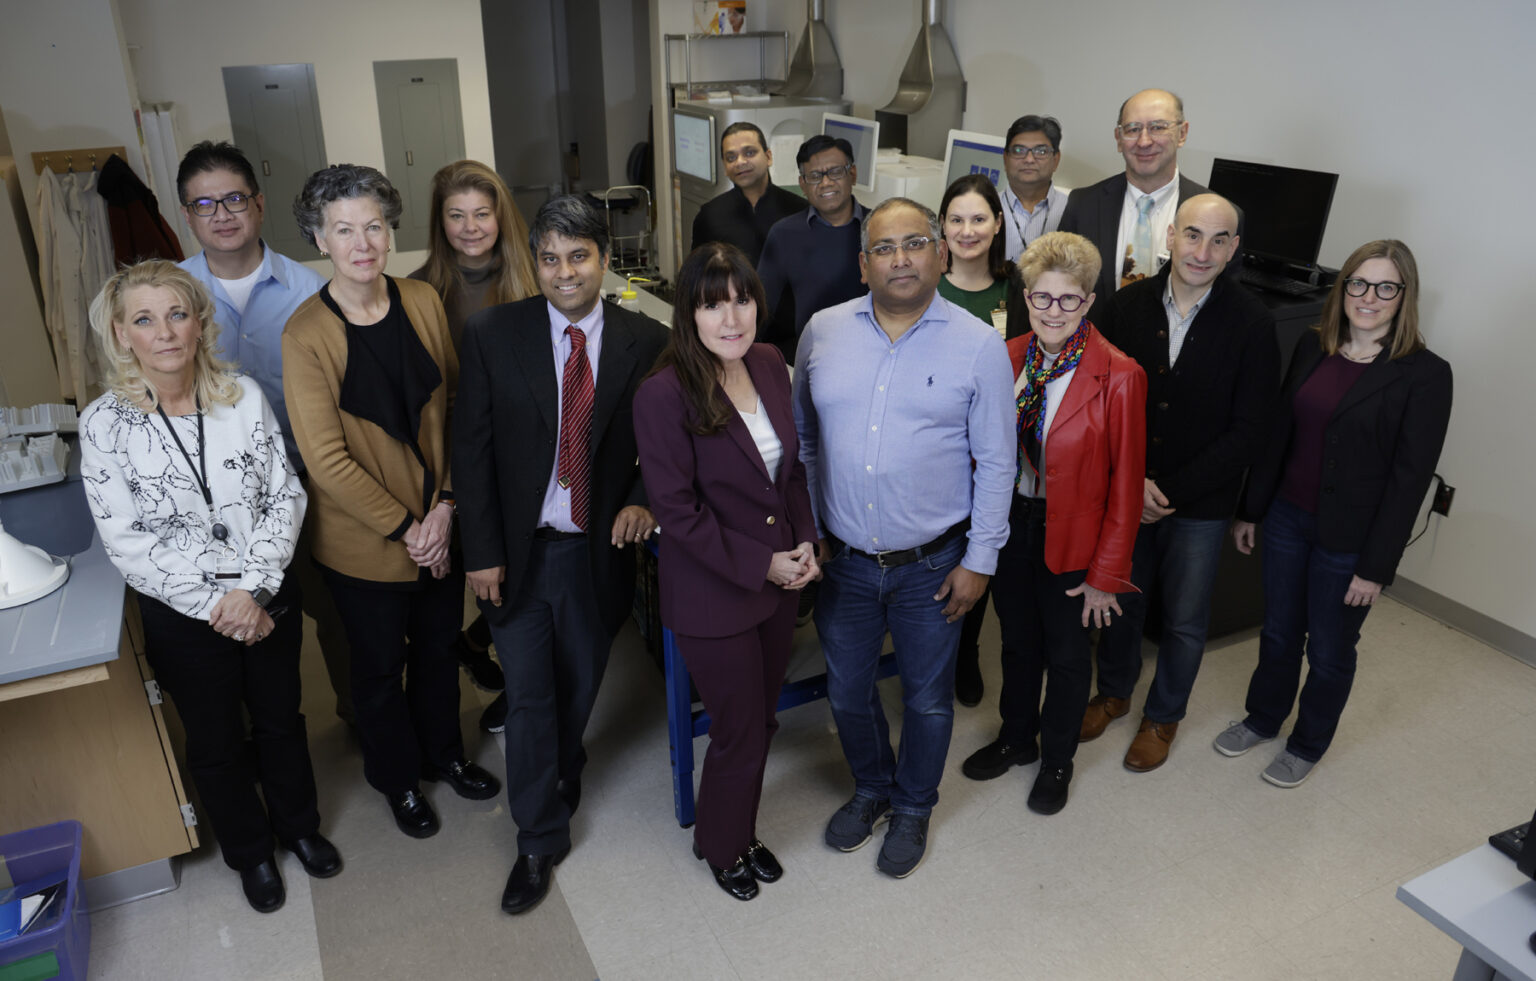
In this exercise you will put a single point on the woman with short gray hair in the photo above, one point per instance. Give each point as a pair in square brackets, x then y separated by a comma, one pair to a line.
[368, 373]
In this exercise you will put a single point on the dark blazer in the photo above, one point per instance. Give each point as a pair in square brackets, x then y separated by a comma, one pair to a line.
[506, 432]
[1207, 414]
[1380, 451]
[1094, 213]
[729, 218]
[721, 519]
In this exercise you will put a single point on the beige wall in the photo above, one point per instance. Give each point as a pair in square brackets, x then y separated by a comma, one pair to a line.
[178, 48]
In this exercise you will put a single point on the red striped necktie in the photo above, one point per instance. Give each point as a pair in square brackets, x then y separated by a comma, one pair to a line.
[574, 468]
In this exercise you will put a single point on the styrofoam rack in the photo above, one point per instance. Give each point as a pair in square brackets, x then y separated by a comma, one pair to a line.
[32, 461]
[45, 417]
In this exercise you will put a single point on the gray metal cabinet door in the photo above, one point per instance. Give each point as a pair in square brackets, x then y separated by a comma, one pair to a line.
[275, 113]
[423, 128]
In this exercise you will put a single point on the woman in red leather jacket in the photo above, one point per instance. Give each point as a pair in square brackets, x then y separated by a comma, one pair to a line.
[1081, 427]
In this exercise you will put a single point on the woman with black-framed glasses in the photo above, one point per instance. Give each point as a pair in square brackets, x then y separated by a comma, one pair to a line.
[1363, 414]
[1081, 426]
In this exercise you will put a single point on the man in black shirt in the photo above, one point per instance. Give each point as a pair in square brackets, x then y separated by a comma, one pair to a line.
[743, 215]
[1213, 368]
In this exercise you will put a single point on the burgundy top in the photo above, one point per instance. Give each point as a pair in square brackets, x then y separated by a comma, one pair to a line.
[1315, 403]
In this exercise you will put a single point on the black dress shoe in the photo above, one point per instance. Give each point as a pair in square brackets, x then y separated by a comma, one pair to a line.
[263, 887]
[494, 718]
[1049, 794]
[570, 792]
[994, 759]
[484, 672]
[528, 882]
[414, 814]
[318, 856]
[736, 880]
[469, 780]
[765, 867]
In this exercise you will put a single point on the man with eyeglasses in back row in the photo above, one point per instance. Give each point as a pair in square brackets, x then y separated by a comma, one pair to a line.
[255, 290]
[1127, 216]
[810, 261]
[1032, 204]
[896, 393]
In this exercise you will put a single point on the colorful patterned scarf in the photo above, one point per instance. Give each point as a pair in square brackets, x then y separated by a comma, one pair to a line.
[1031, 401]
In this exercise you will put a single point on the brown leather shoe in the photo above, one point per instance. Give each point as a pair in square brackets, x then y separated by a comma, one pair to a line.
[1149, 750]
[1102, 709]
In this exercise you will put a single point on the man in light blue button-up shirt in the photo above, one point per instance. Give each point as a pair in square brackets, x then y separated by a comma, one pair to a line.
[904, 407]
[255, 290]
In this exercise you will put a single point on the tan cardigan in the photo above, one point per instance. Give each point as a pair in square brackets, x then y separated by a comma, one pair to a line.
[364, 484]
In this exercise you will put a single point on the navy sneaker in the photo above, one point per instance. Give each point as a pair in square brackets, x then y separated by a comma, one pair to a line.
[905, 842]
[854, 822]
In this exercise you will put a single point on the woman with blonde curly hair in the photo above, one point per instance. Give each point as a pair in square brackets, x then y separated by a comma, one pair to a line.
[198, 507]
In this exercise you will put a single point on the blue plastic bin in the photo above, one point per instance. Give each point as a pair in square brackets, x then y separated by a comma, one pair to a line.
[58, 946]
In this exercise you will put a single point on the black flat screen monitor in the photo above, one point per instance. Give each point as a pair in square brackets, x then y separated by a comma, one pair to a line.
[1285, 210]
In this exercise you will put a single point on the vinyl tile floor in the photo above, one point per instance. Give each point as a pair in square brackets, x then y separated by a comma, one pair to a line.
[1198, 870]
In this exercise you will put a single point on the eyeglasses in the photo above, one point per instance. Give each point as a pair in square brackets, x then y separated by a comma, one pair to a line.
[1384, 291]
[1069, 302]
[1156, 129]
[817, 176]
[887, 249]
[208, 207]
[1019, 150]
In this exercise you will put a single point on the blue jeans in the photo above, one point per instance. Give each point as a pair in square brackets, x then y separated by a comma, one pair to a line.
[1304, 587]
[1180, 554]
[859, 602]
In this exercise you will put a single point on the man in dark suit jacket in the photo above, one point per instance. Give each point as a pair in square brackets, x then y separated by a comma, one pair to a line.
[1213, 368]
[1150, 130]
[552, 512]
[743, 215]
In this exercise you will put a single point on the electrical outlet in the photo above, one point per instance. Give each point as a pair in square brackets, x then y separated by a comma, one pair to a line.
[1444, 495]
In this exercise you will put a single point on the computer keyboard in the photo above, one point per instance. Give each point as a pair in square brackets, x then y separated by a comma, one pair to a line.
[1260, 279]
[1512, 841]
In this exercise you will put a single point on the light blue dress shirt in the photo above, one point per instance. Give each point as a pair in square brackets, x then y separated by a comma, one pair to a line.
[1024, 226]
[888, 431]
[254, 340]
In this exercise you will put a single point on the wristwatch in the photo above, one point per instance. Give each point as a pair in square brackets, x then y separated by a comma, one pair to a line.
[263, 597]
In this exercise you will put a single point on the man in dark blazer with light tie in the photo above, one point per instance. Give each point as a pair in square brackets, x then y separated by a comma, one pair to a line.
[551, 510]
[1150, 129]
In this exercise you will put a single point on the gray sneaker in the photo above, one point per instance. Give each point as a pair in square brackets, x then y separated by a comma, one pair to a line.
[854, 822]
[1288, 770]
[1238, 739]
[905, 842]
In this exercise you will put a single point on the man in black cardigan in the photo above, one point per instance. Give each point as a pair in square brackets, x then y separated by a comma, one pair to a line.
[1213, 368]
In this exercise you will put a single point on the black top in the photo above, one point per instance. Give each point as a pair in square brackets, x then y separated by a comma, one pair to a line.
[1208, 413]
[807, 265]
[390, 376]
[729, 218]
[1379, 451]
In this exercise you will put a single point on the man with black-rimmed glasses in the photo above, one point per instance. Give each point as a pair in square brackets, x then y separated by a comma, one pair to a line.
[1032, 204]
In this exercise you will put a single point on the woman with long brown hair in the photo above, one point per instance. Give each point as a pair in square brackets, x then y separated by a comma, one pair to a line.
[720, 459]
[478, 258]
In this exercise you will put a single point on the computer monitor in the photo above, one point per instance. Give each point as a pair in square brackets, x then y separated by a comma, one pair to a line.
[973, 153]
[864, 135]
[693, 145]
[1285, 210]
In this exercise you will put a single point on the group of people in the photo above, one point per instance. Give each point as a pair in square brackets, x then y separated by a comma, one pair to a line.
[973, 410]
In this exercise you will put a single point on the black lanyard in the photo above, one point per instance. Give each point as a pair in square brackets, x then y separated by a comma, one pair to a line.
[200, 470]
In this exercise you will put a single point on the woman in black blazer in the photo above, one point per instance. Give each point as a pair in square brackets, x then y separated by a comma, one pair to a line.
[1363, 416]
[720, 460]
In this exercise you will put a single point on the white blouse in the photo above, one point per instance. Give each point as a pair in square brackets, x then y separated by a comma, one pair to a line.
[150, 512]
[769, 446]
